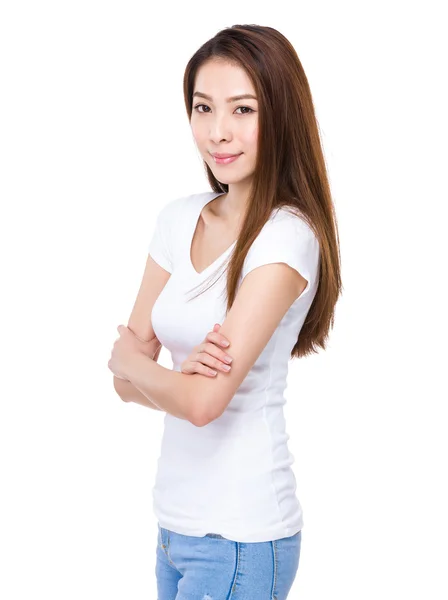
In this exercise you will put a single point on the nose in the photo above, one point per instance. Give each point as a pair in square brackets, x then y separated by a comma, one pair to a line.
[219, 129]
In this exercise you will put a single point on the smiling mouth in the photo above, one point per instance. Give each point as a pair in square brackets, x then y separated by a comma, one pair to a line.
[223, 155]
[225, 160]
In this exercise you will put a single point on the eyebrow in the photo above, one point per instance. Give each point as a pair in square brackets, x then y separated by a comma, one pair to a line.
[232, 99]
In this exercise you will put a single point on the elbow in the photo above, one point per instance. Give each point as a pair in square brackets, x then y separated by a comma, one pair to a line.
[204, 415]
[199, 419]
[205, 406]
[200, 416]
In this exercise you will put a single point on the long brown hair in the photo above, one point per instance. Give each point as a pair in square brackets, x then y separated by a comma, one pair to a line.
[290, 166]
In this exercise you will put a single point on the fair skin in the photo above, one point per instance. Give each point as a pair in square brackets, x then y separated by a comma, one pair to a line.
[219, 126]
[228, 128]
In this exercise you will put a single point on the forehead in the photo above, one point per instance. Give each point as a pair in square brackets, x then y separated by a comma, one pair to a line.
[221, 79]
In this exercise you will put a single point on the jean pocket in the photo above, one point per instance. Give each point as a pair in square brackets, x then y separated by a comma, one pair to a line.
[159, 536]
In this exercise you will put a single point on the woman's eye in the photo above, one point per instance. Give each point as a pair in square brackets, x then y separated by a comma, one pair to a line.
[250, 110]
[198, 105]
[247, 108]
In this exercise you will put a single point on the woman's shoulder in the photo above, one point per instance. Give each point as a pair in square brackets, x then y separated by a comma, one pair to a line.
[289, 218]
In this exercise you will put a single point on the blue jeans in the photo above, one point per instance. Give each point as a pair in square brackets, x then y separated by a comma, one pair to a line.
[215, 568]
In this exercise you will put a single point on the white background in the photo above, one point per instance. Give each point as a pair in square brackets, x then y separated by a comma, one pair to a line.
[94, 140]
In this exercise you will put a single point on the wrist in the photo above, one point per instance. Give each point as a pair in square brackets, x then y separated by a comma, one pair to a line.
[134, 365]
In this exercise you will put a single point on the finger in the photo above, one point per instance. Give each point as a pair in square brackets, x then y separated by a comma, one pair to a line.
[200, 355]
[214, 363]
[223, 340]
[204, 370]
[217, 338]
[196, 367]
[186, 367]
[214, 350]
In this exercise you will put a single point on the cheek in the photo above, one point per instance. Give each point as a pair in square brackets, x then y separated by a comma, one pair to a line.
[196, 131]
[252, 137]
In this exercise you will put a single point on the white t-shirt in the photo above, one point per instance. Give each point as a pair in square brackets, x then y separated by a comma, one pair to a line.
[233, 476]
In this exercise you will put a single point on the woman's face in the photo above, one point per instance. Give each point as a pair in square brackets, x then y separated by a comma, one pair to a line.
[222, 126]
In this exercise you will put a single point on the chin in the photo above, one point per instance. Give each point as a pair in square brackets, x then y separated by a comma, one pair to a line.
[228, 180]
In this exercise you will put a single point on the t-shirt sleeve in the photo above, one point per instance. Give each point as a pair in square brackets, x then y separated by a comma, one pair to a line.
[286, 238]
[161, 245]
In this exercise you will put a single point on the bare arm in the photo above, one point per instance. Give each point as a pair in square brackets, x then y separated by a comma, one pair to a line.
[153, 281]
[171, 391]
[128, 392]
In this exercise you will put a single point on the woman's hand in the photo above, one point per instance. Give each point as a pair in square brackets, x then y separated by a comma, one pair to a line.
[207, 354]
[126, 346]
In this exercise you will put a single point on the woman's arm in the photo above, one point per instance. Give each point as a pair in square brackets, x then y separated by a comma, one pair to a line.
[153, 281]
[128, 392]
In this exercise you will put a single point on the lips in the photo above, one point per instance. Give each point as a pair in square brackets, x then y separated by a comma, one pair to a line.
[226, 161]
[218, 155]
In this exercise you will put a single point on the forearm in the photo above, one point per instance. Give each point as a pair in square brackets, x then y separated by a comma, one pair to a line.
[167, 389]
[129, 393]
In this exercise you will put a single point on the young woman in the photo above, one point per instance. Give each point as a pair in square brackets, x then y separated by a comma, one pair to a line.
[229, 521]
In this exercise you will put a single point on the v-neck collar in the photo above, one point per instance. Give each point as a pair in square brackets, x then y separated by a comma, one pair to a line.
[195, 221]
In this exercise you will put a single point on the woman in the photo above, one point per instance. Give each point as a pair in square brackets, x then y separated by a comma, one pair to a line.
[229, 521]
